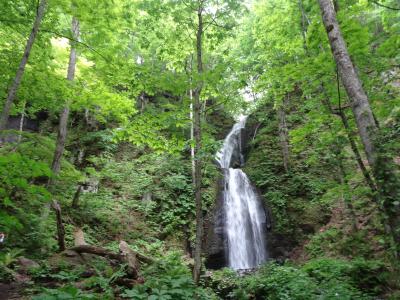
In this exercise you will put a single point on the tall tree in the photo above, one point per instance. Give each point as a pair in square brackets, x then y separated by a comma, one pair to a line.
[62, 130]
[360, 105]
[283, 132]
[63, 123]
[197, 139]
[12, 92]
[366, 123]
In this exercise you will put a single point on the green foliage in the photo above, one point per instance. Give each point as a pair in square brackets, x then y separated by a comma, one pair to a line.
[366, 275]
[105, 277]
[164, 178]
[7, 258]
[321, 279]
[168, 279]
[223, 282]
[277, 282]
[24, 172]
[64, 274]
[22, 199]
[129, 128]
[66, 292]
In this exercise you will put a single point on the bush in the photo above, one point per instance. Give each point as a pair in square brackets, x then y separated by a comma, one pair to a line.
[64, 293]
[319, 279]
[368, 275]
[22, 200]
[168, 279]
[223, 282]
[275, 282]
[24, 172]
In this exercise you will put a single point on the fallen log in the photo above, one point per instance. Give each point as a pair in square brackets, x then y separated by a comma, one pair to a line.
[97, 251]
[145, 259]
[109, 254]
[129, 283]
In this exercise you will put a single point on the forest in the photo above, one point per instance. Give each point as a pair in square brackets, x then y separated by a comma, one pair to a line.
[200, 149]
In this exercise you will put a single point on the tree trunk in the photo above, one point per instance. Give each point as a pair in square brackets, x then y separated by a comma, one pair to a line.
[356, 153]
[12, 92]
[192, 154]
[366, 125]
[62, 128]
[303, 24]
[108, 253]
[79, 237]
[283, 133]
[345, 197]
[62, 132]
[75, 200]
[60, 226]
[129, 256]
[21, 122]
[197, 148]
[386, 178]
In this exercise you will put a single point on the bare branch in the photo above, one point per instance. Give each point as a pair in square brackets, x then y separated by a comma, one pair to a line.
[385, 6]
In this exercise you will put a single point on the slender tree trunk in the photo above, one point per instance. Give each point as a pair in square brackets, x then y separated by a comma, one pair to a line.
[21, 122]
[60, 226]
[12, 92]
[192, 151]
[75, 200]
[387, 181]
[303, 24]
[197, 148]
[358, 98]
[345, 194]
[62, 133]
[356, 153]
[189, 72]
[62, 128]
[283, 134]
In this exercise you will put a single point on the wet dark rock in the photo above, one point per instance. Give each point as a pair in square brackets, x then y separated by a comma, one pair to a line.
[215, 244]
[14, 122]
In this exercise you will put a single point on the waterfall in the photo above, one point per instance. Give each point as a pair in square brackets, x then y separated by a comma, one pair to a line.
[245, 218]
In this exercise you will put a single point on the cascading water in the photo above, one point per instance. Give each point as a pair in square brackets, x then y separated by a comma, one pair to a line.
[245, 218]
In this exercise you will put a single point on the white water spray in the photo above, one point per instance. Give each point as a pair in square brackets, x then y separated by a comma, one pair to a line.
[245, 218]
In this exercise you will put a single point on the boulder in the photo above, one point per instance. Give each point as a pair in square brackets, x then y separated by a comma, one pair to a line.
[26, 264]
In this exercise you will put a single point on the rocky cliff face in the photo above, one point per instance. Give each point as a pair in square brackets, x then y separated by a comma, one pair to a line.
[215, 242]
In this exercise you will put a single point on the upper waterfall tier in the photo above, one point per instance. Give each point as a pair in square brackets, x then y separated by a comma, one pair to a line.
[232, 146]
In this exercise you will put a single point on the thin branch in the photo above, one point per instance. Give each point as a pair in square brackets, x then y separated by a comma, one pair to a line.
[79, 42]
[384, 6]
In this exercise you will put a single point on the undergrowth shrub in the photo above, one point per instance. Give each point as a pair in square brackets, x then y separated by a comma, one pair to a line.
[168, 279]
[367, 275]
[318, 279]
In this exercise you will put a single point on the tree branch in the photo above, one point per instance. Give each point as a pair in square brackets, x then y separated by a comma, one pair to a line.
[384, 6]
[79, 42]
